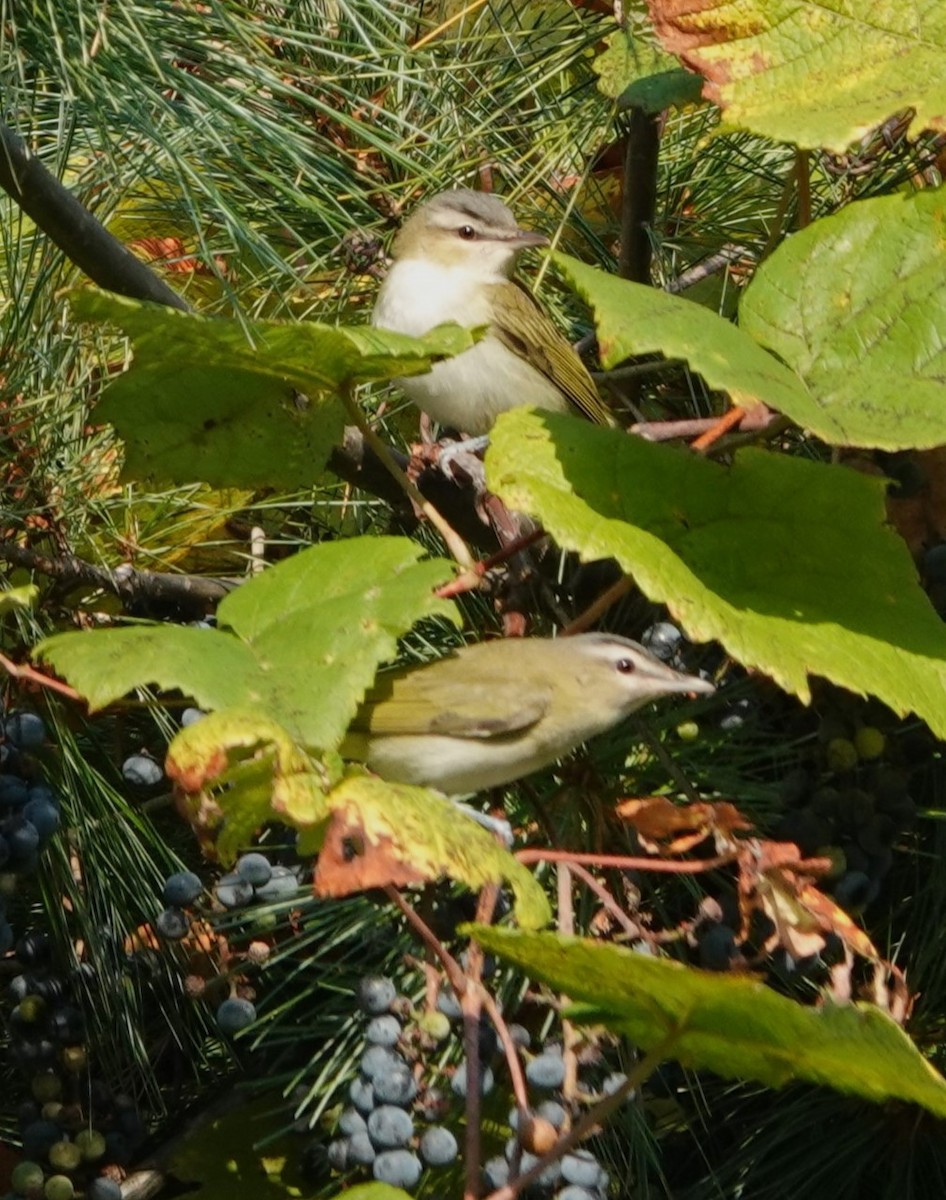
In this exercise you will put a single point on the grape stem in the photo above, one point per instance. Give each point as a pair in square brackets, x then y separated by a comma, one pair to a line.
[607, 900]
[24, 671]
[566, 927]
[625, 862]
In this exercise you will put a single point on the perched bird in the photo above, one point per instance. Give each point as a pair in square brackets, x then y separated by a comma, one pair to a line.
[496, 711]
[453, 261]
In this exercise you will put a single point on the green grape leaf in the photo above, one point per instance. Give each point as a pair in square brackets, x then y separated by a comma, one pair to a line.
[242, 403]
[787, 562]
[105, 664]
[730, 1024]
[634, 70]
[633, 319]
[301, 642]
[856, 305]
[15, 598]
[388, 833]
[813, 72]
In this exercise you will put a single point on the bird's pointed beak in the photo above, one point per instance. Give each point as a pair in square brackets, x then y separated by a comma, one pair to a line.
[670, 681]
[529, 237]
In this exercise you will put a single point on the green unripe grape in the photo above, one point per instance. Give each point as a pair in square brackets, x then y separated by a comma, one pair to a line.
[837, 858]
[436, 1025]
[75, 1058]
[46, 1086]
[91, 1144]
[27, 1179]
[869, 742]
[59, 1187]
[51, 1110]
[30, 1008]
[688, 731]
[65, 1156]
[841, 755]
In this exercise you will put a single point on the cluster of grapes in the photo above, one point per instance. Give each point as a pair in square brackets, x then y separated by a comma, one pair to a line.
[394, 1123]
[854, 819]
[254, 880]
[73, 1127]
[29, 810]
[378, 1130]
[576, 1175]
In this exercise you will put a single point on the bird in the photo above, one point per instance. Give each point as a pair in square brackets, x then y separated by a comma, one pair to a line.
[495, 711]
[453, 261]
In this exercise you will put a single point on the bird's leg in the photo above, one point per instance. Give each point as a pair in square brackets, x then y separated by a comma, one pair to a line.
[464, 456]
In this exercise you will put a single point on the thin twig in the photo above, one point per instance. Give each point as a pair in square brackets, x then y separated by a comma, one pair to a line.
[729, 420]
[445, 25]
[455, 543]
[594, 610]
[608, 901]
[566, 927]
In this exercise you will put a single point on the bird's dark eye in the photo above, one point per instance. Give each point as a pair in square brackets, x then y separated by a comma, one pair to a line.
[626, 666]
[467, 232]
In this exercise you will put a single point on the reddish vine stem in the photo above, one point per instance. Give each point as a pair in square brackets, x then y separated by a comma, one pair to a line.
[23, 671]
[470, 579]
[594, 610]
[452, 968]
[729, 420]
[606, 899]
[626, 862]
[566, 927]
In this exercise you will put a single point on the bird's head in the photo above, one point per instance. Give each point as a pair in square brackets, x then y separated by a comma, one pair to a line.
[472, 231]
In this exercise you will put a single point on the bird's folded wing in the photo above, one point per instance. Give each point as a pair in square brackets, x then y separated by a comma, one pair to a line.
[520, 324]
[470, 711]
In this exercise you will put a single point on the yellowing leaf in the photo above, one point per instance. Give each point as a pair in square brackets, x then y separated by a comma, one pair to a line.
[813, 72]
[386, 833]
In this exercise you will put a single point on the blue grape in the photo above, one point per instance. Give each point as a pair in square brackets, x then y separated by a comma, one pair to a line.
[375, 994]
[141, 771]
[118, 1149]
[448, 1004]
[181, 889]
[14, 791]
[379, 1058]
[34, 948]
[190, 716]
[360, 1149]
[574, 1192]
[361, 1094]
[350, 1122]
[383, 1031]
[399, 1168]
[716, 948]
[44, 817]
[103, 1188]
[581, 1168]
[546, 1071]
[255, 868]
[438, 1146]
[282, 885]
[390, 1127]
[23, 839]
[235, 1014]
[338, 1154]
[173, 924]
[496, 1173]
[38, 1137]
[396, 1086]
[25, 730]
[662, 639]
[459, 1081]
[233, 891]
[553, 1112]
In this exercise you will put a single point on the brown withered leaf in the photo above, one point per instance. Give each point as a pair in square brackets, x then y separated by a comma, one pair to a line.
[351, 861]
[667, 828]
